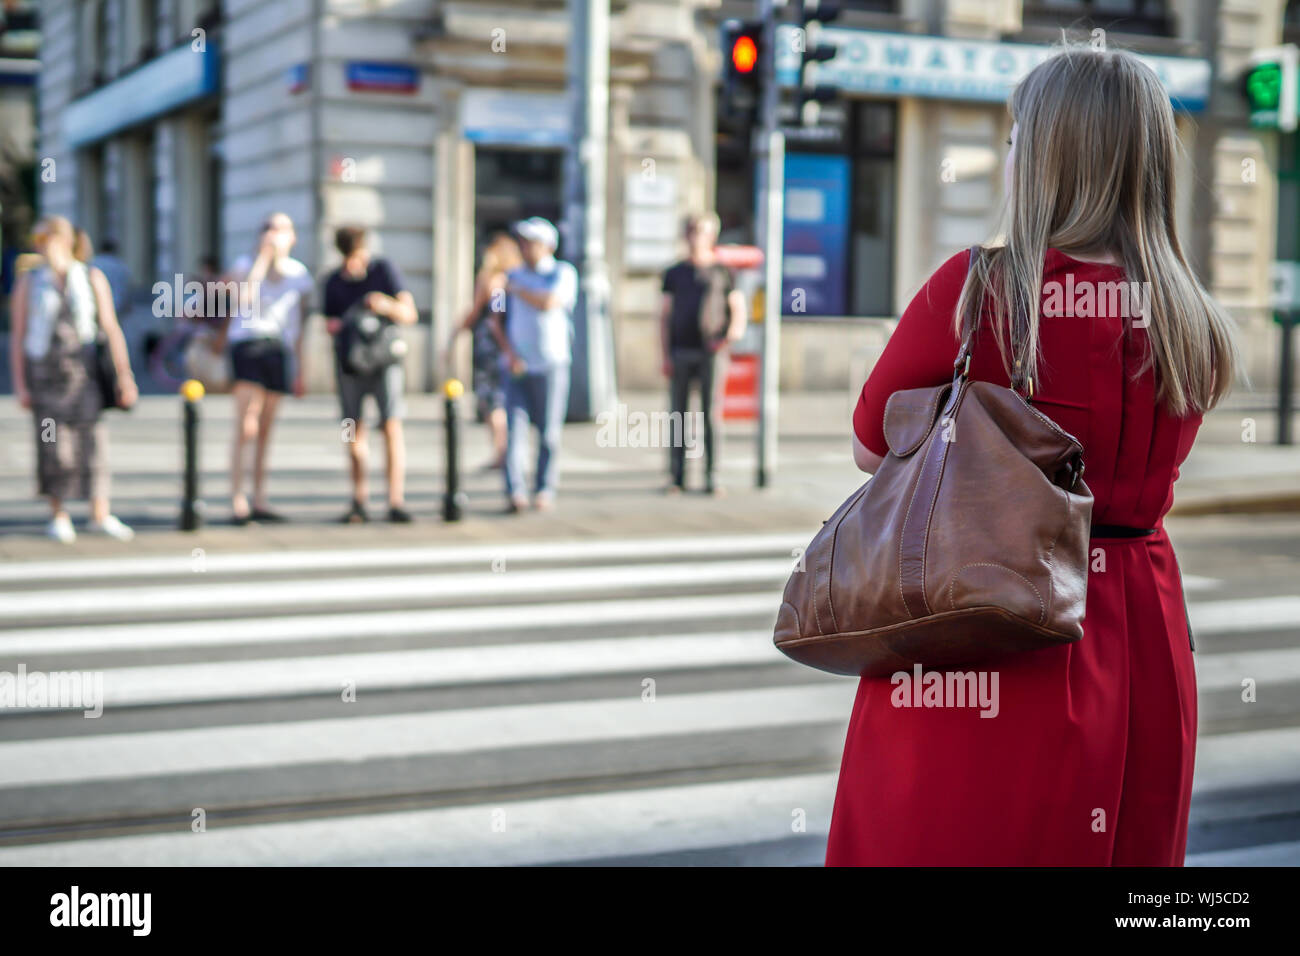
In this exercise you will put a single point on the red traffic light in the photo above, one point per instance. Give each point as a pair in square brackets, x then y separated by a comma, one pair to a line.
[744, 54]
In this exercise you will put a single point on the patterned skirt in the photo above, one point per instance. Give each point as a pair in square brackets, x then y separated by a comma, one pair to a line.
[71, 441]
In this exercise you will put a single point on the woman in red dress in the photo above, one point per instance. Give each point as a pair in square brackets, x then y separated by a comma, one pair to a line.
[1087, 759]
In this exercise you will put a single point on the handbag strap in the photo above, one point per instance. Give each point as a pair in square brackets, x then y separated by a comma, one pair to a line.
[961, 366]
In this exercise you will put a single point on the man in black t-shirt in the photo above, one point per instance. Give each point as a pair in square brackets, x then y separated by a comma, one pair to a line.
[374, 285]
[701, 314]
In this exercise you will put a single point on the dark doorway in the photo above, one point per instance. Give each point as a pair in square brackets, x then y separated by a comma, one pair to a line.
[513, 184]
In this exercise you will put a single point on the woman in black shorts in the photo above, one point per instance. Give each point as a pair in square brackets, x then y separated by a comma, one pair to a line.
[264, 329]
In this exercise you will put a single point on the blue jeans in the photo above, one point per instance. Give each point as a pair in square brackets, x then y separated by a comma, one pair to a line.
[541, 398]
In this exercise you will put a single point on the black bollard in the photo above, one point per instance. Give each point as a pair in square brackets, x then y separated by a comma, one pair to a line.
[191, 392]
[451, 499]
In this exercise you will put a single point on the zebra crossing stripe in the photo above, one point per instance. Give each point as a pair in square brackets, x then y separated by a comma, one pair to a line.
[84, 759]
[332, 592]
[184, 564]
[48, 641]
[438, 667]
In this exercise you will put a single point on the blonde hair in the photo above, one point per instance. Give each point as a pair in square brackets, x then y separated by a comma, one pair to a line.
[501, 255]
[49, 226]
[83, 250]
[1094, 170]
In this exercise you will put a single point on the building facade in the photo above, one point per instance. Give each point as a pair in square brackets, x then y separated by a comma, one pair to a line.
[908, 162]
[19, 69]
[176, 126]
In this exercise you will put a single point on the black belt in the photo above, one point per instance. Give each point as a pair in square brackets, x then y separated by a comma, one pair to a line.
[1119, 531]
[1123, 531]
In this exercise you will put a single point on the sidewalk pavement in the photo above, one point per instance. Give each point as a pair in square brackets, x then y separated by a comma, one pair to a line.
[605, 491]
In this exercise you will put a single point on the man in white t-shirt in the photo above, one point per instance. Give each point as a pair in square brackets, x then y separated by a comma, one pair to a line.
[265, 331]
[537, 351]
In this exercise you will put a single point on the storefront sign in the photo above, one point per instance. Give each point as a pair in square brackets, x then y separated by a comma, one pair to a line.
[939, 67]
[515, 118]
[816, 238]
[160, 86]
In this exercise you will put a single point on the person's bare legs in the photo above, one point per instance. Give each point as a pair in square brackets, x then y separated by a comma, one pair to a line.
[395, 445]
[270, 404]
[359, 462]
[98, 509]
[56, 506]
[248, 409]
[497, 428]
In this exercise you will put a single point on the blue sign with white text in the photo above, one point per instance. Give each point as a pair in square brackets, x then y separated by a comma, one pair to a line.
[382, 77]
[816, 234]
[896, 64]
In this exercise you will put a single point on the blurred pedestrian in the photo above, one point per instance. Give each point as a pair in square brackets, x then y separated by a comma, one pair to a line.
[701, 314]
[537, 351]
[362, 288]
[265, 335]
[200, 325]
[117, 274]
[499, 259]
[59, 306]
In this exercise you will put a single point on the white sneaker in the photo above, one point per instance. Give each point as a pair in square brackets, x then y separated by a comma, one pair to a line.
[112, 527]
[61, 530]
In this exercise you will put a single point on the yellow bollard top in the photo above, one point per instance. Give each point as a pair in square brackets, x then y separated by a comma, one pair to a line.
[192, 390]
[453, 388]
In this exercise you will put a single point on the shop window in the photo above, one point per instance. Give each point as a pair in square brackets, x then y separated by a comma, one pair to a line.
[19, 16]
[515, 183]
[1147, 17]
[95, 44]
[213, 238]
[148, 39]
[871, 226]
[840, 214]
[1291, 22]
[871, 6]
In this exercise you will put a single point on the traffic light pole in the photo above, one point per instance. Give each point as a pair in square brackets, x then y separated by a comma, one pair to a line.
[594, 388]
[769, 181]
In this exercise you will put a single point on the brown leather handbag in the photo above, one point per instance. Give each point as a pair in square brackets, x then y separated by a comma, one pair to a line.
[970, 541]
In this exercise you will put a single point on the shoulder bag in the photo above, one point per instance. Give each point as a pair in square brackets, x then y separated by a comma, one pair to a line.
[969, 543]
[715, 316]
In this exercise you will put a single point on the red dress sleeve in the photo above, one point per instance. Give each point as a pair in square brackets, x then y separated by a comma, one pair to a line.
[920, 353]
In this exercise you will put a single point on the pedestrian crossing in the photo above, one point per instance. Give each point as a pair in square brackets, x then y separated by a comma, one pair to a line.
[530, 703]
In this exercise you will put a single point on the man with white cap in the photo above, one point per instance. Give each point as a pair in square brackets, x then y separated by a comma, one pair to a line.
[537, 351]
